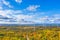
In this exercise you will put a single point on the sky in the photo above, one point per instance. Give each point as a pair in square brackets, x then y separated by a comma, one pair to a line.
[29, 11]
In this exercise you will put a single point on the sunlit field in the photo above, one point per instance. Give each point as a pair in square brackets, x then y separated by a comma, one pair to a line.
[29, 33]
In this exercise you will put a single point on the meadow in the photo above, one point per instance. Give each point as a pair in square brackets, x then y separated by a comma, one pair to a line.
[29, 33]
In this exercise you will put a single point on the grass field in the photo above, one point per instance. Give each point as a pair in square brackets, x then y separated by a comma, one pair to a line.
[29, 33]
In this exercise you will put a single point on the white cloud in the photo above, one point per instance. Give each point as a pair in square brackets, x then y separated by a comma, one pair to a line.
[47, 19]
[1, 8]
[5, 12]
[17, 18]
[7, 3]
[18, 15]
[51, 21]
[32, 7]
[2, 22]
[20, 18]
[18, 1]
[43, 19]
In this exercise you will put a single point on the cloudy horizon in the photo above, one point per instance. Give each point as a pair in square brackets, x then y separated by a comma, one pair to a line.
[29, 11]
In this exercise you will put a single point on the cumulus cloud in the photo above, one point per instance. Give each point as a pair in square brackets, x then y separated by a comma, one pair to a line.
[12, 16]
[32, 7]
[1, 6]
[18, 1]
[24, 16]
[7, 3]
[47, 19]
[16, 17]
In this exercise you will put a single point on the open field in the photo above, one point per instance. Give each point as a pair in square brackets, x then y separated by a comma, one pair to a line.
[29, 33]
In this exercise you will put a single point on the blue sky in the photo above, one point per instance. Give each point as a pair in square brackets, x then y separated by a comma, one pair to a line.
[29, 11]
